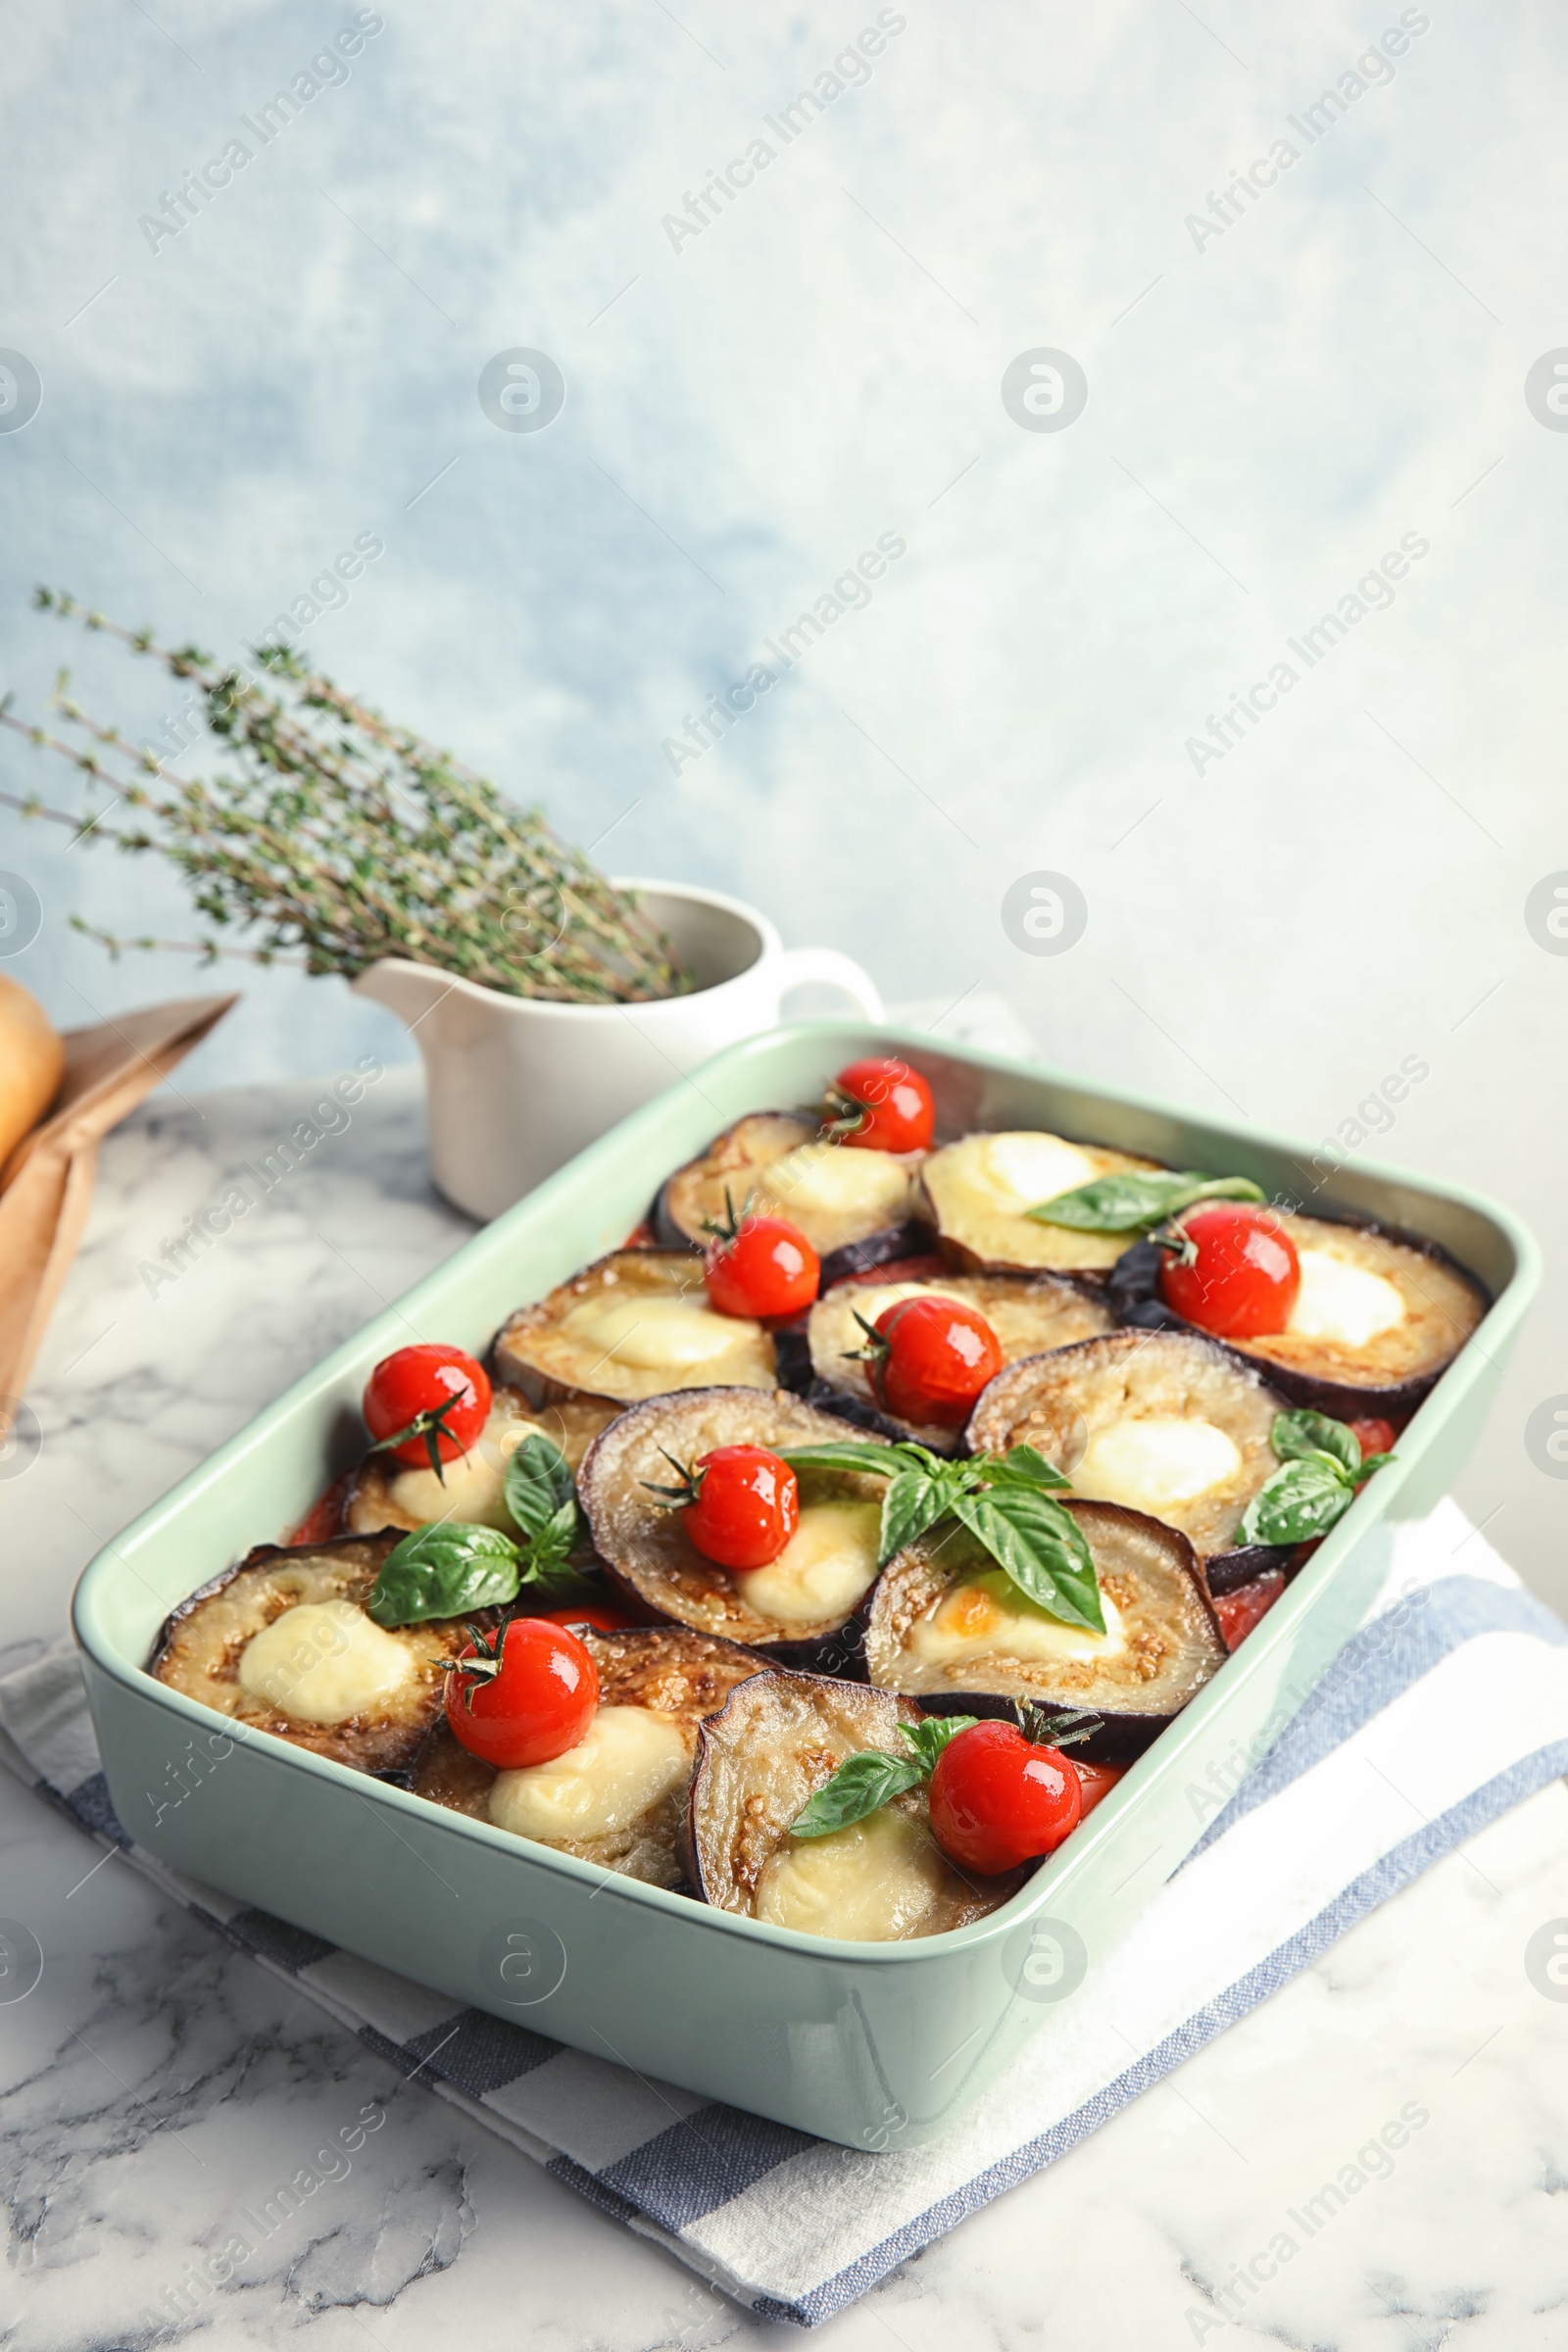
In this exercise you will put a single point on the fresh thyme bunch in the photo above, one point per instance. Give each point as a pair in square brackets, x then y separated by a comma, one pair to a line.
[334, 839]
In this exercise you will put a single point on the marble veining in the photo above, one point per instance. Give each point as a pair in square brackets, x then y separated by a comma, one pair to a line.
[161, 2090]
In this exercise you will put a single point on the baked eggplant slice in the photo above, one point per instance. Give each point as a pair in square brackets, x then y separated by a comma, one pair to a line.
[1378, 1317]
[946, 1627]
[282, 1643]
[855, 1207]
[978, 1190]
[618, 1797]
[881, 1879]
[636, 1324]
[389, 1493]
[796, 1609]
[1165, 1422]
[1029, 1314]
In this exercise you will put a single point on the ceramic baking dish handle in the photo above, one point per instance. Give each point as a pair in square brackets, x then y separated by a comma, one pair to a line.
[832, 966]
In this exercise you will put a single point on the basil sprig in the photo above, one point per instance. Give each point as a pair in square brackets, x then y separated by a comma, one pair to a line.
[1138, 1197]
[1003, 1499]
[453, 1567]
[872, 1777]
[1321, 1466]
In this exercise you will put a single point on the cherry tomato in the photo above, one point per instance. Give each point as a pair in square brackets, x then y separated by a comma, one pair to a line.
[1373, 1437]
[533, 1705]
[933, 1359]
[895, 1112]
[432, 1389]
[1244, 1278]
[746, 1505]
[603, 1620]
[766, 1267]
[997, 1800]
[1098, 1779]
[1244, 1605]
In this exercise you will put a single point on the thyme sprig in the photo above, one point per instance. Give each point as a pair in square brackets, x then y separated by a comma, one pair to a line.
[335, 838]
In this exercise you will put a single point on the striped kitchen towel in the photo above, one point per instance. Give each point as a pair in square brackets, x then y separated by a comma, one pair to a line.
[1364, 1788]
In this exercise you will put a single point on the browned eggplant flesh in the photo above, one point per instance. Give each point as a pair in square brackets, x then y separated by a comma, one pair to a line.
[779, 1739]
[947, 1627]
[979, 1190]
[618, 1797]
[856, 1207]
[282, 1644]
[1375, 1318]
[797, 1607]
[1165, 1422]
[1029, 1314]
[635, 1325]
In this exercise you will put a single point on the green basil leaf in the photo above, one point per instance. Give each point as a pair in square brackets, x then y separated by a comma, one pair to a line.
[538, 1484]
[548, 1552]
[1294, 1435]
[880, 1461]
[1138, 1197]
[444, 1570]
[1040, 1546]
[1019, 1466]
[1371, 1462]
[913, 1503]
[862, 1785]
[1302, 1499]
[931, 1734]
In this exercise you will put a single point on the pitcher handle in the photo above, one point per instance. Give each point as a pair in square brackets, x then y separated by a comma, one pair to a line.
[838, 970]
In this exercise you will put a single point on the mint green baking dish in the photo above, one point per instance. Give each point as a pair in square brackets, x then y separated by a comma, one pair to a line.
[874, 2045]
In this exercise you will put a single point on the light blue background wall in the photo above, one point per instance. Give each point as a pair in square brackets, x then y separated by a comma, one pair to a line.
[1267, 414]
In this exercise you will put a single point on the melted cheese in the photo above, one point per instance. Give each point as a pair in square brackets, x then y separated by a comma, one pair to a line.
[472, 1484]
[991, 1615]
[647, 1333]
[1021, 1170]
[1342, 1302]
[631, 1758]
[834, 1180]
[1151, 1465]
[873, 1299]
[324, 1661]
[824, 1569]
[874, 1881]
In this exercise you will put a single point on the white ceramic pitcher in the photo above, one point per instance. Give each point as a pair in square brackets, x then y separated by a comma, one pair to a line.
[515, 1084]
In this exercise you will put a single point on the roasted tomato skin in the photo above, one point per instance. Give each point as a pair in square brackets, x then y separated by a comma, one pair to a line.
[747, 1506]
[420, 1379]
[603, 1620]
[1244, 1280]
[998, 1802]
[768, 1268]
[539, 1705]
[939, 1355]
[897, 1111]
[1373, 1435]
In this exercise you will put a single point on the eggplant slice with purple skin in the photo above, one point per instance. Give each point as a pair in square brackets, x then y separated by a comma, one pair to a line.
[1169, 1423]
[1029, 1314]
[388, 1493]
[856, 1208]
[636, 1324]
[946, 1627]
[978, 1191]
[282, 1643]
[881, 1879]
[1379, 1317]
[796, 1610]
[618, 1797]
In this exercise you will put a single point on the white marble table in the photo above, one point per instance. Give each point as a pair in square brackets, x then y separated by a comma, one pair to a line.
[155, 2080]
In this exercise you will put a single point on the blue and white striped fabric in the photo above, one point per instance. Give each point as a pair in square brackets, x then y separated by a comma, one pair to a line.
[1364, 1788]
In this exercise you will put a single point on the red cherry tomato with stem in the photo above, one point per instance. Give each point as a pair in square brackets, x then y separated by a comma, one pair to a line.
[881, 1105]
[763, 1266]
[439, 1395]
[739, 1504]
[997, 1800]
[527, 1699]
[602, 1621]
[1243, 1280]
[929, 1357]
